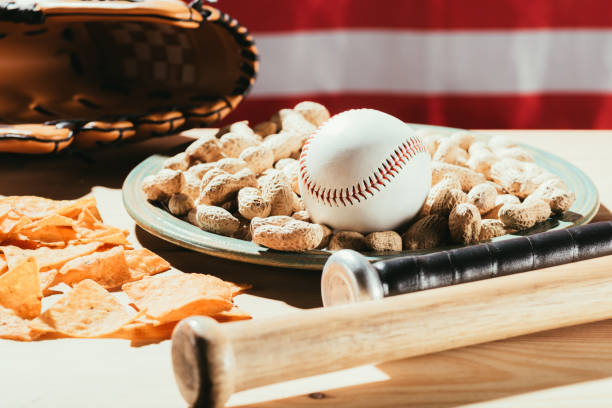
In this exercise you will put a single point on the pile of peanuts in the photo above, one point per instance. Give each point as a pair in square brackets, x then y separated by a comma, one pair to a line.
[243, 183]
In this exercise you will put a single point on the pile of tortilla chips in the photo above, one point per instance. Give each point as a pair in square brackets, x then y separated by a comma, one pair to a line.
[63, 249]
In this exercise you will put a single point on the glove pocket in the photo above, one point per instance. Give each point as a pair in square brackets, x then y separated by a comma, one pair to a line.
[112, 71]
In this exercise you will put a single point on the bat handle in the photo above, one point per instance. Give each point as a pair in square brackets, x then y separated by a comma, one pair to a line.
[348, 277]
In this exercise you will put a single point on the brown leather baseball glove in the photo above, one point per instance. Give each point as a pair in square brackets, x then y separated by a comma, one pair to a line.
[89, 73]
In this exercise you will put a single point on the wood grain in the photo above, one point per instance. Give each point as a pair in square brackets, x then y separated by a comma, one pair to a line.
[568, 367]
[531, 370]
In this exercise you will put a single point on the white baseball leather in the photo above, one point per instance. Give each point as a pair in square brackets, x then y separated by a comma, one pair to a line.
[364, 170]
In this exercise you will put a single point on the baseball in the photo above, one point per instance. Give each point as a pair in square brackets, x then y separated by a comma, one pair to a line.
[364, 170]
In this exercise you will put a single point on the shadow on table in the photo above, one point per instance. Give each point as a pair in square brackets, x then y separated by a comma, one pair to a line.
[603, 214]
[296, 287]
[70, 175]
[500, 370]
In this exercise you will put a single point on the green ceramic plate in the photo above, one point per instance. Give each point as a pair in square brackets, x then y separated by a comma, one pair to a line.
[164, 225]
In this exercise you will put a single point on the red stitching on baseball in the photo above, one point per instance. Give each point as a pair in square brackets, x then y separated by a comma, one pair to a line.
[389, 168]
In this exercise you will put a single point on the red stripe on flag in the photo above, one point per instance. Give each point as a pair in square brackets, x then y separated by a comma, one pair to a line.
[299, 15]
[538, 111]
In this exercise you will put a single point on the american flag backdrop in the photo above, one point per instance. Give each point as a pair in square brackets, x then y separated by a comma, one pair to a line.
[463, 63]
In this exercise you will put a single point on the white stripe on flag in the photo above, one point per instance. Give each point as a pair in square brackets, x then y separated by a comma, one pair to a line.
[486, 62]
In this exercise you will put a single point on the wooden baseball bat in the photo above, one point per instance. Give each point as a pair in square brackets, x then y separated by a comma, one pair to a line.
[212, 360]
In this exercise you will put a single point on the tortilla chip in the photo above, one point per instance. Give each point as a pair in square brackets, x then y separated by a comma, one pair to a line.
[143, 262]
[33, 207]
[86, 220]
[232, 315]
[52, 229]
[109, 269]
[20, 289]
[88, 310]
[117, 238]
[4, 211]
[13, 327]
[38, 207]
[102, 230]
[47, 279]
[103, 233]
[74, 208]
[11, 223]
[53, 220]
[145, 332]
[23, 242]
[93, 209]
[13, 255]
[3, 264]
[39, 328]
[50, 258]
[173, 297]
[238, 288]
[49, 234]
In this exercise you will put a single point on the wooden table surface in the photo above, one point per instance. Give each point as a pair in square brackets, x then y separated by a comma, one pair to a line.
[566, 367]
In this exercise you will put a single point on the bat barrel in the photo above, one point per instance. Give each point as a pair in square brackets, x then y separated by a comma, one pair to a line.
[347, 279]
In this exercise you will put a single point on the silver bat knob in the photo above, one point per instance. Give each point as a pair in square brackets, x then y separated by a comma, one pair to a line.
[348, 277]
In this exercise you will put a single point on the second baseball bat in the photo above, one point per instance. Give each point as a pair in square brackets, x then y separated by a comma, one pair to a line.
[348, 277]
